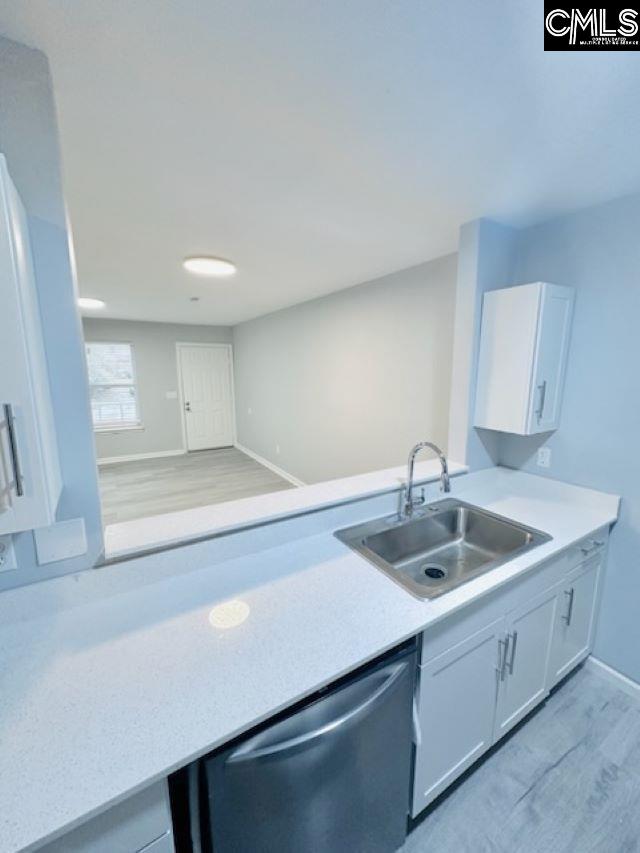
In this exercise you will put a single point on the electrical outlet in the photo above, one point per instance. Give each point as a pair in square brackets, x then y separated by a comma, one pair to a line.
[544, 457]
[7, 555]
[278, 449]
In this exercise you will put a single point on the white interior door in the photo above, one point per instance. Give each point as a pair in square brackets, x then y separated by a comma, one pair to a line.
[205, 374]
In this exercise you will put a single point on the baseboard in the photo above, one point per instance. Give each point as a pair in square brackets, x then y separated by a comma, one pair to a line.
[622, 682]
[279, 471]
[135, 457]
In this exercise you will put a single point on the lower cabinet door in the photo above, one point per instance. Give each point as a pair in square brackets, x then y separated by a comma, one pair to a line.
[525, 660]
[575, 613]
[455, 713]
[140, 823]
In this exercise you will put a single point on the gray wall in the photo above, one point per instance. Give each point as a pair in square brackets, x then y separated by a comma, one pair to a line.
[597, 251]
[154, 346]
[28, 138]
[348, 382]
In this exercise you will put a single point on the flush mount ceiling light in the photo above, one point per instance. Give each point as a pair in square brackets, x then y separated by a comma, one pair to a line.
[90, 303]
[203, 265]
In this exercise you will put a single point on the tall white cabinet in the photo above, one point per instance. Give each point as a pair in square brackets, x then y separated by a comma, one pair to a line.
[30, 482]
[524, 342]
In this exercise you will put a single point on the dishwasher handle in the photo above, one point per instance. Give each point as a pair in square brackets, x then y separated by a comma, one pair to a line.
[251, 751]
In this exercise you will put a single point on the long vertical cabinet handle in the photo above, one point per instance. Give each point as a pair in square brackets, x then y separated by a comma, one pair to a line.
[512, 659]
[543, 393]
[13, 449]
[569, 614]
[503, 654]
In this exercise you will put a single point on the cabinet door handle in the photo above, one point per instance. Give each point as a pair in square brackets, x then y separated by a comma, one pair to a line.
[512, 659]
[592, 546]
[569, 613]
[503, 654]
[13, 449]
[543, 393]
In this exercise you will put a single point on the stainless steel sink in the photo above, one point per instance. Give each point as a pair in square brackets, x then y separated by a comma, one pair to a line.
[443, 546]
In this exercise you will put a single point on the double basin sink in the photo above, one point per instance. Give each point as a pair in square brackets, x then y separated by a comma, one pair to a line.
[441, 546]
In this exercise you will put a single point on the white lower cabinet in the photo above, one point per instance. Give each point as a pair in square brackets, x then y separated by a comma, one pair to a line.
[140, 824]
[575, 619]
[455, 710]
[524, 660]
[484, 672]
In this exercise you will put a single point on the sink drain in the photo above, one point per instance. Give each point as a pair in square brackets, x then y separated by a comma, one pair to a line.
[434, 571]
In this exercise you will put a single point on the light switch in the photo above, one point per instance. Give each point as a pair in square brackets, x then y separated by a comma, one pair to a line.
[61, 541]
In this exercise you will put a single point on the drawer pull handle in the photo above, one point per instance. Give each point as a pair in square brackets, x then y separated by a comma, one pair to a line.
[569, 613]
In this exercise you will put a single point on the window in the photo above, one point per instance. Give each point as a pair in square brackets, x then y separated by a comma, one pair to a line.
[112, 385]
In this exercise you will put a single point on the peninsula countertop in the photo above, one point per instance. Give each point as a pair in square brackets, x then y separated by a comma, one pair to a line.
[103, 698]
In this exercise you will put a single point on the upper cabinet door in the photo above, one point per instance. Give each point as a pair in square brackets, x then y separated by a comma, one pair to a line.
[30, 482]
[552, 346]
[523, 350]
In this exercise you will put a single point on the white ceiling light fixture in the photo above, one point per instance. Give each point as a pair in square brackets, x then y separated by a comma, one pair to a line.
[208, 265]
[90, 303]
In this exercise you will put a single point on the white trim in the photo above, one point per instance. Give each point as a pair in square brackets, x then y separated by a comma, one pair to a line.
[119, 428]
[134, 457]
[622, 682]
[232, 402]
[279, 471]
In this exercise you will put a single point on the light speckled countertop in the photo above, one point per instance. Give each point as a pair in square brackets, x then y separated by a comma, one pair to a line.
[102, 698]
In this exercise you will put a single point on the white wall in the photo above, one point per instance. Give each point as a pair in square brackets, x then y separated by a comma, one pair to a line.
[154, 347]
[349, 382]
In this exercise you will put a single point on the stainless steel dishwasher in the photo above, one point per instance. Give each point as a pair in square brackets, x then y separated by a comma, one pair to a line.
[331, 776]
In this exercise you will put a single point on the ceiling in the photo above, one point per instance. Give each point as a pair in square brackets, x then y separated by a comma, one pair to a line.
[316, 144]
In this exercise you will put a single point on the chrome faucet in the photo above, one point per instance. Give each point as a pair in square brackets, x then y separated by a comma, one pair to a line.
[410, 502]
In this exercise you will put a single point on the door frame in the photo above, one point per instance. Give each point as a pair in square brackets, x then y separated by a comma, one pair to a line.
[183, 424]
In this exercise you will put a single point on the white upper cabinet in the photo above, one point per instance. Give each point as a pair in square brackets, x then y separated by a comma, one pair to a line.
[524, 343]
[30, 482]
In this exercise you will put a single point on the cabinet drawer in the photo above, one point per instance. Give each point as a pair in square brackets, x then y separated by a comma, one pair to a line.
[587, 548]
[129, 827]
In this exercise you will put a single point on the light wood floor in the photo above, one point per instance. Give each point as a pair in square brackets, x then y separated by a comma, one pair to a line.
[147, 487]
[566, 781]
